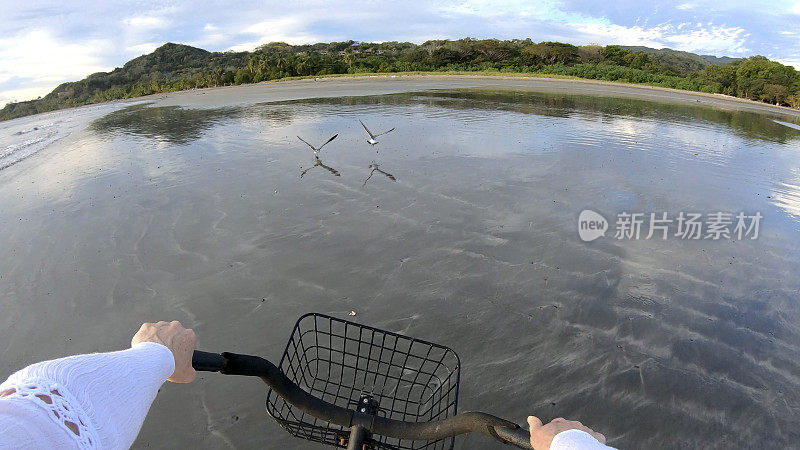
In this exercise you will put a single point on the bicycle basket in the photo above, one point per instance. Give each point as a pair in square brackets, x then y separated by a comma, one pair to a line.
[344, 363]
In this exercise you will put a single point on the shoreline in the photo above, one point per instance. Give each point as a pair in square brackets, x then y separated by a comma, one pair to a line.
[339, 85]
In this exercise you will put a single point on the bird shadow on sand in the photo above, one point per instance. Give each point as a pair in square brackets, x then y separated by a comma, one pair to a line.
[376, 168]
[318, 163]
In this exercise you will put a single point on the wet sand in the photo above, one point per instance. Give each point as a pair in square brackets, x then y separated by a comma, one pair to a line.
[389, 84]
[198, 213]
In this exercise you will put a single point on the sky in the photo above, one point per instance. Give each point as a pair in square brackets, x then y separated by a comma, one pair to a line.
[44, 43]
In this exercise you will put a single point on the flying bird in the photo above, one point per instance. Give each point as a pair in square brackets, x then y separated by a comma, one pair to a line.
[371, 140]
[317, 149]
[374, 168]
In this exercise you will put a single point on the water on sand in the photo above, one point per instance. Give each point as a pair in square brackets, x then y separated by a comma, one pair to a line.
[201, 215]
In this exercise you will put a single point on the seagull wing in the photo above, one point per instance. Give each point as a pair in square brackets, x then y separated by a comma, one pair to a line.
[383, 133]
[367, 129]
[326, 142]
[312, 147]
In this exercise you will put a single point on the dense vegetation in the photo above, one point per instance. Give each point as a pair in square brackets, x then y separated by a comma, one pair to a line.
[174, 67]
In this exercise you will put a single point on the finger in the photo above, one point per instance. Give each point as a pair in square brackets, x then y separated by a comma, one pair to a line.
[141, 331]
[534, 423]
[599, 436]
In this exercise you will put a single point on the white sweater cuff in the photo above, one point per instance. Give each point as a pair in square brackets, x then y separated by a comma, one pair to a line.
[108, 394]
[159, 354]
[576, 440]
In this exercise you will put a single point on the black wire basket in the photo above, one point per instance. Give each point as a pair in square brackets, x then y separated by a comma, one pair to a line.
[363, 368]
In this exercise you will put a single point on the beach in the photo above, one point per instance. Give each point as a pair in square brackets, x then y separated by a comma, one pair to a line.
[190, 206]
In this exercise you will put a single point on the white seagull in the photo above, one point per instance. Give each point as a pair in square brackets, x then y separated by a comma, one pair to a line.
[317, 149]
[371, 140]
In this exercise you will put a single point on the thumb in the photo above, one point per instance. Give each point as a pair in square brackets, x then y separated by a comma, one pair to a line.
[534, 423]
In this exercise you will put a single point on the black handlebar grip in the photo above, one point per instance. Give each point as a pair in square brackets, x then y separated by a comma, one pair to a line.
[519, 437]
[208, 362]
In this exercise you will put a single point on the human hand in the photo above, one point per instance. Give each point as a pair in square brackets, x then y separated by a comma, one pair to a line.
[181, 342]
[542, 435]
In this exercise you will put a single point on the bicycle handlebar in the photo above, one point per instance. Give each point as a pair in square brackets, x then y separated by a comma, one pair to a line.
[487, 424]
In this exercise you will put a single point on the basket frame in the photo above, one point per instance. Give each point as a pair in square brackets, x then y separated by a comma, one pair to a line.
[304, 426]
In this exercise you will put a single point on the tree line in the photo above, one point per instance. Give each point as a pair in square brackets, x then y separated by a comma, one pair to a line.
[174, 67]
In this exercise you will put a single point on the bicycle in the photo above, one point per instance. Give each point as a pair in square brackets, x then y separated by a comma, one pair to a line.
[358, 387]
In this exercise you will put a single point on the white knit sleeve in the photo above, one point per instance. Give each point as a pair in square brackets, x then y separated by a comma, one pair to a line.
[576, 440]
[105, 396]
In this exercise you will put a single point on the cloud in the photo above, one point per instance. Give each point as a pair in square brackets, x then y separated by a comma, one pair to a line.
[287, 29]
[790, 62]
[618, 34]
[44, 61]
[146, 22]
[719, 40]
[211, 36]
[704, 38]
[143, 49]
[13, 95]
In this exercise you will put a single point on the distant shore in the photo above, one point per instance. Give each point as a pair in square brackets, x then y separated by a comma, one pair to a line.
[377, 84]
[342, 85]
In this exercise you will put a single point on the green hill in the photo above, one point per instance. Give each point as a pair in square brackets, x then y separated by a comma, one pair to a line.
[173, 67]
[683, 61]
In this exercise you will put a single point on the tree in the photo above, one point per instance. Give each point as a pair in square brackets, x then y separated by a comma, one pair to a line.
[552, 52]
[614, 54]
[724, 76]
[759, 78]
[590, 54]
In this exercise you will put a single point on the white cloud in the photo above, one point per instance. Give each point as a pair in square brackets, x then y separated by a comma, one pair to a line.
[700, 38]
[146, 22]
[16, 95]
[289, 29]
[44, 61]
[211, 36]
[141, 49]
[789, 62]
[499, 7]
[712, 39]
[618, 34]
[686, 6]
